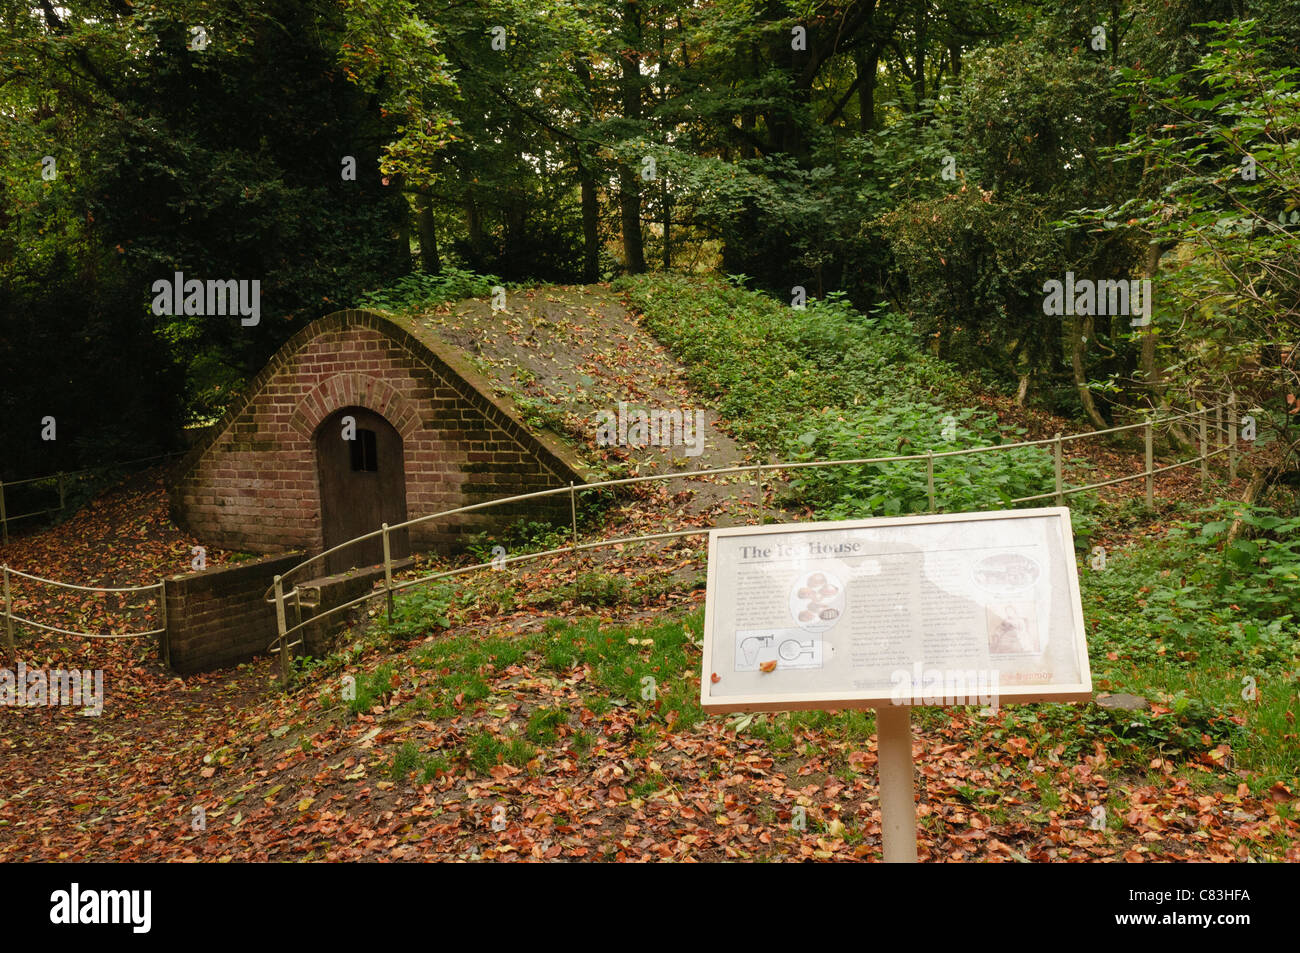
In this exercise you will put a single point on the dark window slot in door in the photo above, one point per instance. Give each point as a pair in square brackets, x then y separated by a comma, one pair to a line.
[365, 455]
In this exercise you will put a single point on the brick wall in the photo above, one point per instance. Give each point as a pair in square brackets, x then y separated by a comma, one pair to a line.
[217, 617]
[252, 485]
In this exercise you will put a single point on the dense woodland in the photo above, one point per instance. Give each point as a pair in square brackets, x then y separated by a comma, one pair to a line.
[933, 162]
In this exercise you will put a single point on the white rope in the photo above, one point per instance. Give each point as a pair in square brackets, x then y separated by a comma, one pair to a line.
[68, 585]
[83, 635]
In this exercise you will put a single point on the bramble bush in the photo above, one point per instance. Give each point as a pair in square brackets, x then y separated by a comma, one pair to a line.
[895, 427]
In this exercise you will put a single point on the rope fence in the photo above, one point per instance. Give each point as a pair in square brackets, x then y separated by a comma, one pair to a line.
[58, 482]
[11, 617]
[1226, 436]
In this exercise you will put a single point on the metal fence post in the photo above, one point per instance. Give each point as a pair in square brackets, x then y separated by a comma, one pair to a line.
[758, 486]
[9, 618]
[1232, 436]
[573, 515]
[1059, 467]
[162, 623]
[1150, 466]
[1205, 463]
[388, 574]
[929, 477]
[280, 627]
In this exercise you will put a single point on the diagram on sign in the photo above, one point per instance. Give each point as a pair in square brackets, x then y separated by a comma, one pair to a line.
[769, 650]
[816, 601]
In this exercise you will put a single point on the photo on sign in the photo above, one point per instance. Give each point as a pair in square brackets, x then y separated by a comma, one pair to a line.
[817, 601]
[1013, 629]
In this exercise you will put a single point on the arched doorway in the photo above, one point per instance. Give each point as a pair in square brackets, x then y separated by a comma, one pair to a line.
[362, 486]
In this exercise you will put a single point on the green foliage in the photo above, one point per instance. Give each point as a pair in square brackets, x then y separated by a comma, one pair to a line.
[768, 364]
[822, 170]
[891, 427]
[1190, 596]
[1248, 589]
[418, 613]
[433, 766]
[223, 164]
[519, 538]
[599, 589]
[404, 762]
[372, 688]
[543, 725]
[539, 413]
[1191, 727]
[1217, 145]
[805, 383]
[1206, 631]
[485, 751]
[419, 291]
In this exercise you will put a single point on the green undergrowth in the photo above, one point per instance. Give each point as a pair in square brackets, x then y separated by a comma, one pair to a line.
[827, 382]
[419, 290]
[767, 364]
[1208, 634]
[1203, 630]
[503, 591]
[896, 426]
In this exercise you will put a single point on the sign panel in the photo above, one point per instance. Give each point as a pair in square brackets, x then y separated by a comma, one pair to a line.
[947, 609]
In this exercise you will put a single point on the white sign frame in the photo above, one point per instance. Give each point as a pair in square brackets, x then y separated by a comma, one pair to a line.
[778, 700]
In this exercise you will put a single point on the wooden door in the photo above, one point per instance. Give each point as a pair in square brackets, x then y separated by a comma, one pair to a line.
[362, 486]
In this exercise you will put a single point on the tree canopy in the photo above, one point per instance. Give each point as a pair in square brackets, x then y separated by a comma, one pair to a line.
[941, 160]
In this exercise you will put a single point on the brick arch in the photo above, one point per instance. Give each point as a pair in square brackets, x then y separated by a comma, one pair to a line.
[354, 389]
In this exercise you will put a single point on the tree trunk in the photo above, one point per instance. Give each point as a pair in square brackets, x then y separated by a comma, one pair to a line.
[1083, 328]
[474, 225]
[668, 224]
[403, 225]
[429, 261]
[918, 64]
[590, 225]
[629, 185]
[590, 199]
[867, 62]
[1022, 391]
[629, 201]
[516, 218]
[1260, 483]
[1150, 373]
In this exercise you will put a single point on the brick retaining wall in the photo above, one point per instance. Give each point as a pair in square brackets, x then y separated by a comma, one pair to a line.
[217, 618]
